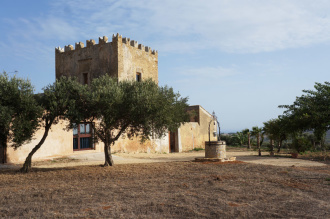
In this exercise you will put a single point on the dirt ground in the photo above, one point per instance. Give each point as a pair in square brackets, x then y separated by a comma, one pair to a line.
[167, 186]
[182, 189]
[79, 159]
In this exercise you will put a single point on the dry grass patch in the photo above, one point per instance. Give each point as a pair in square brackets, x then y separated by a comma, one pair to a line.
[323, 156]
[167, 190]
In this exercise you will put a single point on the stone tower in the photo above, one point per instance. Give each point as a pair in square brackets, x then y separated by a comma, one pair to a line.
[122, 58]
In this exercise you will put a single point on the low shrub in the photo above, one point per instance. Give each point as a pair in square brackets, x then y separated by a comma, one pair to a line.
[198, 149]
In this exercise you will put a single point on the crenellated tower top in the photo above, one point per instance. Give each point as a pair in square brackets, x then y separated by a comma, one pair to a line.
[104, 40]
[121, 58]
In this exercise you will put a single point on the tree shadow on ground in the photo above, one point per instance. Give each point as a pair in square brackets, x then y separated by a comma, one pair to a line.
[16, 170]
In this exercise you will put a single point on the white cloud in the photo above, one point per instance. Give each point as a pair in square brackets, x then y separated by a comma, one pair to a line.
[235, 26]
[238, 26]
[53, 27]
[45, 28]
[29, 38]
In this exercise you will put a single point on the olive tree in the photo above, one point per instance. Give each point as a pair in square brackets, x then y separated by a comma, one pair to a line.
[19, 112]
[56, 102]
[140, 109]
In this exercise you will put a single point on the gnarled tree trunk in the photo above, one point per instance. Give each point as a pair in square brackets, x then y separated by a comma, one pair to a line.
[108, 156]
[249, 141]
[108, 140]
[27, 164]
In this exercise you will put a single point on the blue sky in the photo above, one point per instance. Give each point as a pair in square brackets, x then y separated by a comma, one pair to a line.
[239, 58]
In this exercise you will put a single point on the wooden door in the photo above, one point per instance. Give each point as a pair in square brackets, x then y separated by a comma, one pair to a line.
[2, 154]
[172, 141]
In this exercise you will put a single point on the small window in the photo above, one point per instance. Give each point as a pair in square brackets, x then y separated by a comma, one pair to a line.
[82, 136]
[138, 77]
[85, 75]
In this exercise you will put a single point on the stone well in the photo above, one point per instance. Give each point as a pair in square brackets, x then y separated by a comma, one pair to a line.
[215, 149]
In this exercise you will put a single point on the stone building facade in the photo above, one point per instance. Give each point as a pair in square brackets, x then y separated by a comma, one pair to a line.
[124, 59]
[121, 58]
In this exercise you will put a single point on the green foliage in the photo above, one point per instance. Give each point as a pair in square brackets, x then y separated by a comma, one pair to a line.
[247, 134]
[246, 131]
[239, 138]
[277, 130]
[311, 111]
[300, 144]
[229, 139]
[257, 132]
[57, 102]
[134, 108]
[19, 111]
[58, 98]
[198, 149]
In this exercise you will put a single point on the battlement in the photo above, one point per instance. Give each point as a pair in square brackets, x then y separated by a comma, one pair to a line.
[104, 40]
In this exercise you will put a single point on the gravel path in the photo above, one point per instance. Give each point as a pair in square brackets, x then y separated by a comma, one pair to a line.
[125, 158]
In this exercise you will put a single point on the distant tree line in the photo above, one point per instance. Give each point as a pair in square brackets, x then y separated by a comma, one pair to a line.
[303, 124]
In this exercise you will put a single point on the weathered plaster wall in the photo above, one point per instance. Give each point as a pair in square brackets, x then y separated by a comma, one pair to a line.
[133, 58]
[205, 118]
[189, 135]
[58, 143]
[194, 134]
[136, 146]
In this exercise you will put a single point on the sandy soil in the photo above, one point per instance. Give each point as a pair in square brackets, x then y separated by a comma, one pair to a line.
[83, 159]
[133, 158]
[143, 186]
[246, 156]
[167, 190]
